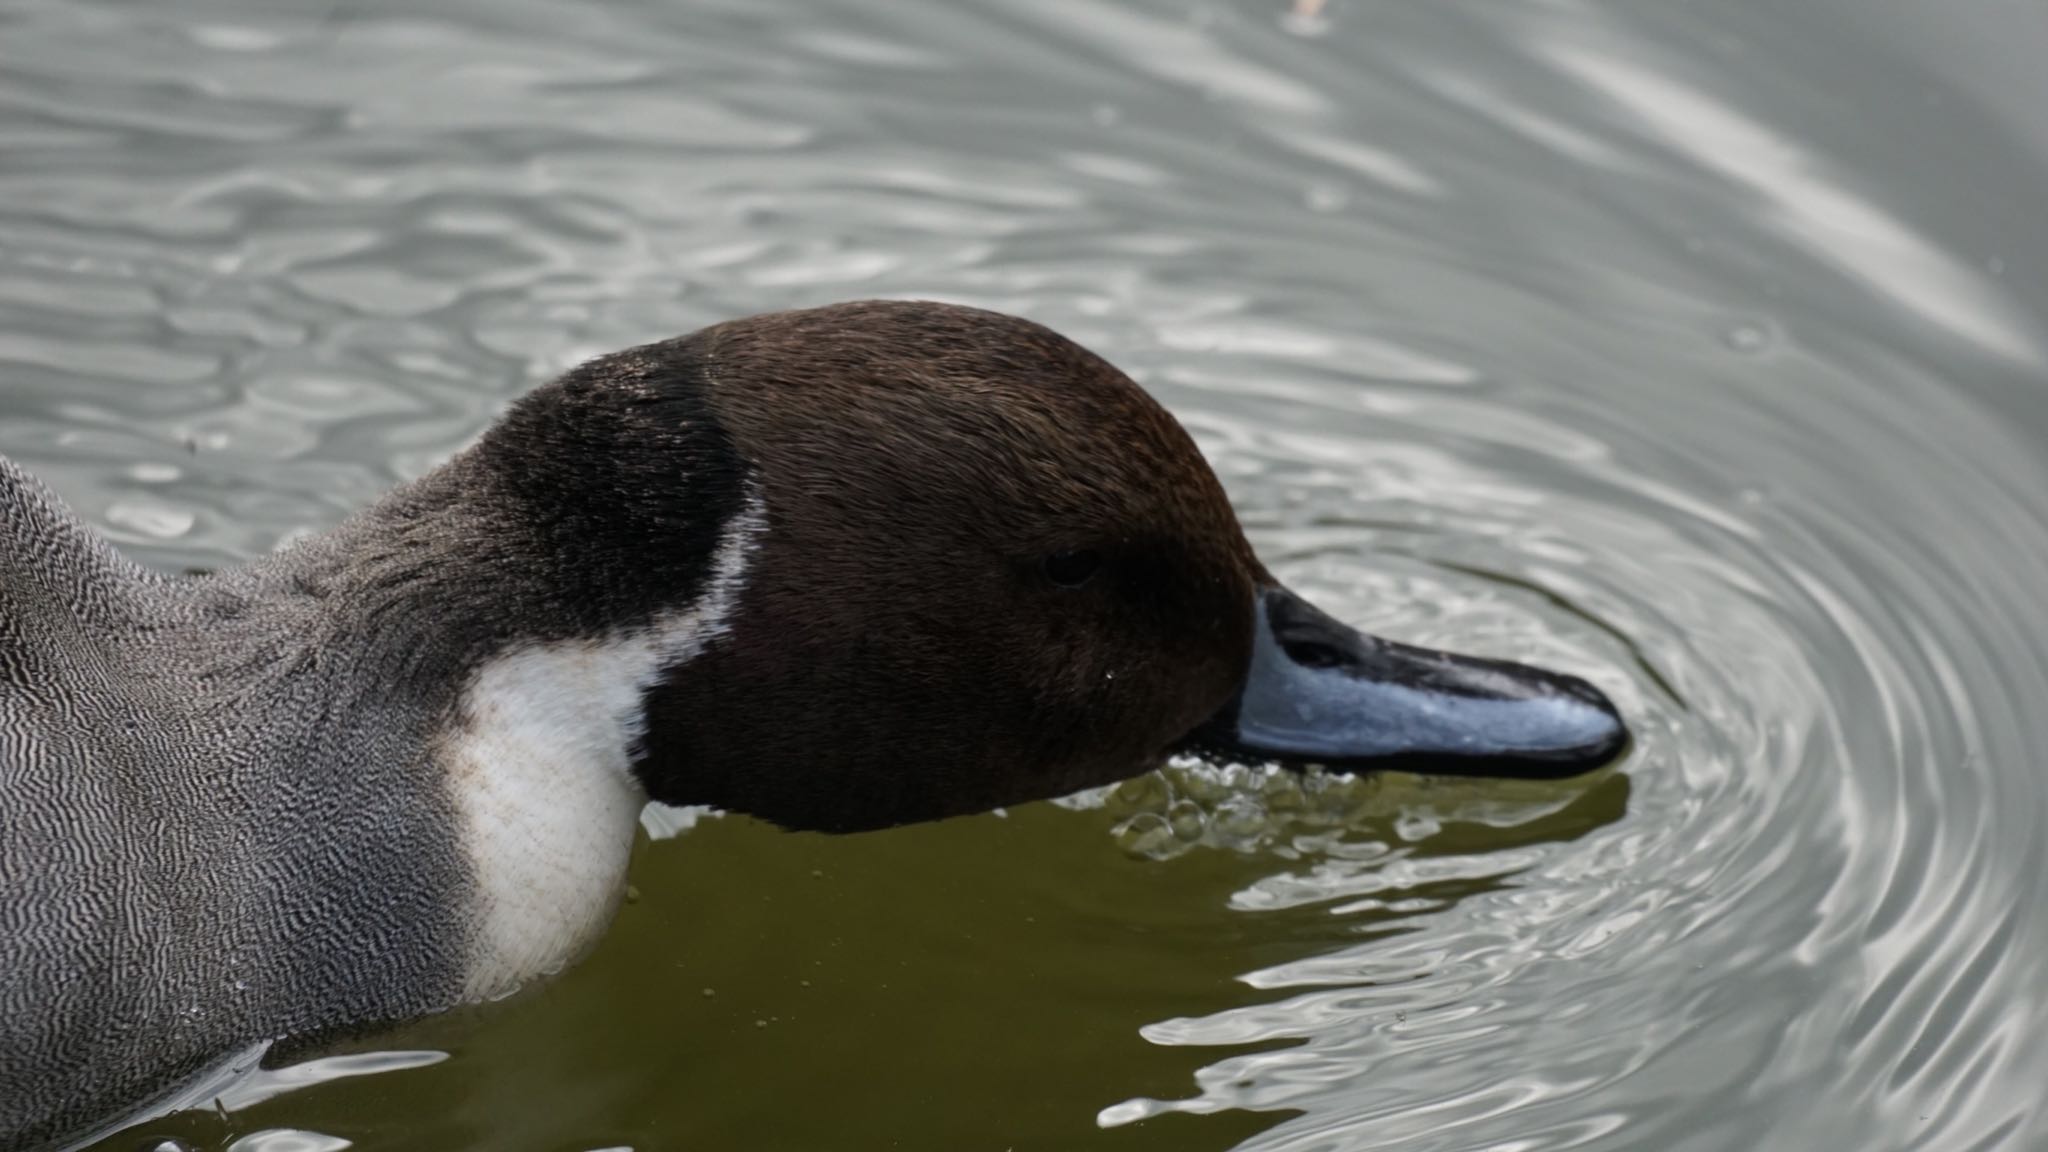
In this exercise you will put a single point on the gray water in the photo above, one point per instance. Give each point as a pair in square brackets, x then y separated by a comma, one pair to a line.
[1699, 348]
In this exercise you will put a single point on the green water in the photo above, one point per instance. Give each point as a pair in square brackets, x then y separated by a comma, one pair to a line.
[765, 989]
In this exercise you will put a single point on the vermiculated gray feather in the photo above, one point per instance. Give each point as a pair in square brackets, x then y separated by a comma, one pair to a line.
[220, 825]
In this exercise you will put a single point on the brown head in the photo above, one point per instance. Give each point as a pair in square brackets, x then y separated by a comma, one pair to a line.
[993, 570]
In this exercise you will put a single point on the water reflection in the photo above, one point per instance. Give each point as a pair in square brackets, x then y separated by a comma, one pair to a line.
[1393, 1000]
[1801, 201]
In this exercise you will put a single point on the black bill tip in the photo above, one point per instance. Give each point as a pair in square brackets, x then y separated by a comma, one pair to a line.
[1320, 692]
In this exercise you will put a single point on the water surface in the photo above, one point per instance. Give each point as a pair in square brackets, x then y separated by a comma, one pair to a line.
[1695, 348]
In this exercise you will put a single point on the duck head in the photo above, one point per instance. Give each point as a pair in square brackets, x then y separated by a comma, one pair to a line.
[994, 570]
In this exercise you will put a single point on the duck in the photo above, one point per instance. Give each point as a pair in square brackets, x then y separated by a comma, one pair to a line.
[837, 569]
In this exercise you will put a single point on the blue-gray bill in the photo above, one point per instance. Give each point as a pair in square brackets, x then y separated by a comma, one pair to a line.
[1320, 692]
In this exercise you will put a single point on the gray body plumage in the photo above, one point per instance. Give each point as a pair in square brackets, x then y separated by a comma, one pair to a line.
[221, 820]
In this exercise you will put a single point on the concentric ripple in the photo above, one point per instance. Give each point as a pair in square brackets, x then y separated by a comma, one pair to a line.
[1696, 349]
[1811, 880]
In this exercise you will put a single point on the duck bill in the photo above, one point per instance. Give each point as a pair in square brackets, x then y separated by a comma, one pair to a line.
[1319, 692]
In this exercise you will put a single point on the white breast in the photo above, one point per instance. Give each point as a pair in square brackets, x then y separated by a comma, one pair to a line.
[540, 770]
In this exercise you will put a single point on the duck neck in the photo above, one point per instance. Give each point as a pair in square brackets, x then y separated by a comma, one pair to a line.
[505, 616]
[539, 762]
[534, 659]
[456, 580]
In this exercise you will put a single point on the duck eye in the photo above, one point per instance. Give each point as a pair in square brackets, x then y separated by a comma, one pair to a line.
[1072, 568]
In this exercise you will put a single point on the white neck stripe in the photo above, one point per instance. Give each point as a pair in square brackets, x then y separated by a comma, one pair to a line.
[540, 769]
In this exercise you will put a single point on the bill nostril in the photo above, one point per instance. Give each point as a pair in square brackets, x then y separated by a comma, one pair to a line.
[1315, 654]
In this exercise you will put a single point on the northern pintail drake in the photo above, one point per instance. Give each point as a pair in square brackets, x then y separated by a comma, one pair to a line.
[839, 569]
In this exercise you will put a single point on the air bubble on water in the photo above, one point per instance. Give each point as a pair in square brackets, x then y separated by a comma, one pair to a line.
[1146, 835]
[1240, 818]
[1187, 821]
[1106, 115]
[1147, 793]
[1194, 804]
[1281, 792]
[1210, 785]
